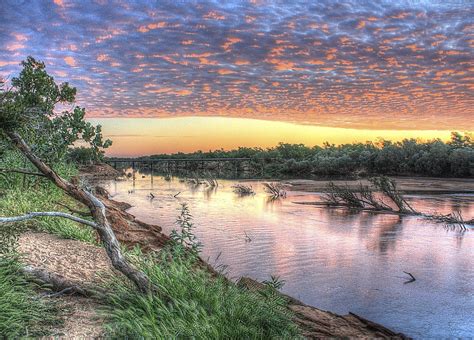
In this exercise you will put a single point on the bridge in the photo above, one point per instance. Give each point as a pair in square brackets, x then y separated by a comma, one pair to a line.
[168, 163]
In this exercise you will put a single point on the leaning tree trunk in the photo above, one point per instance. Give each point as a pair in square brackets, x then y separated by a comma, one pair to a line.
[97, 209]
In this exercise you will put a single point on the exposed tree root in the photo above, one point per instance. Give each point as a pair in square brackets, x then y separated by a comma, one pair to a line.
[58, 283]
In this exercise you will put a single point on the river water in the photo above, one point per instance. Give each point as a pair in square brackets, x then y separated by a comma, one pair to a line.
[332, 259]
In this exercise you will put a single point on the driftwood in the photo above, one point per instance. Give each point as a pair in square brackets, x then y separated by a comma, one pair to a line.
[98, 213]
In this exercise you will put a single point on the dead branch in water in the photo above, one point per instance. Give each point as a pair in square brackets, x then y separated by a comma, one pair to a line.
[412, 277]
[275, 190]
[210, 180]
[364, 198]
[389, 188]
[341, 196]
[454, 220]
[243, 190]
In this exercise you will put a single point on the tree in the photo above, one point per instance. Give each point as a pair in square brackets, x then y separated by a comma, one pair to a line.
[27, 109]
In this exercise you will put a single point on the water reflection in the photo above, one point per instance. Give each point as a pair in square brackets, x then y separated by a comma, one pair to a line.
[334, 259]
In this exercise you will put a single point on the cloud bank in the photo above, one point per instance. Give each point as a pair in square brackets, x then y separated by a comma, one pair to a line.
[384, 64]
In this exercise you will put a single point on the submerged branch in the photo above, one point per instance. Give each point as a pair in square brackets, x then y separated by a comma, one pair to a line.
[363, 198]
[275, 190]
[243, 190]
[412, 278]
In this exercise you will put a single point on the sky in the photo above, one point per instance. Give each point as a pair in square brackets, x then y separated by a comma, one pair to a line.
[146, 136]
[366, 65]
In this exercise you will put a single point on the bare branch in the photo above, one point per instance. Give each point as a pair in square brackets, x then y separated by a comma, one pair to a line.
[32, 215]
[74, 211]
[22, 171]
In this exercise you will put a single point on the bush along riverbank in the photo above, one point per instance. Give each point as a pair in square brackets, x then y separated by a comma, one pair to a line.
[410, 157]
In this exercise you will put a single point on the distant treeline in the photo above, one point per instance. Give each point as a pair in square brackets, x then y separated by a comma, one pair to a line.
[408, 157]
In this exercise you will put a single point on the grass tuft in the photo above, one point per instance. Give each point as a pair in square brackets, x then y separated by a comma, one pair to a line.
[201, 306]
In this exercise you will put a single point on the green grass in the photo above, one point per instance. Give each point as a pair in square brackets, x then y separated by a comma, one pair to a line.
[21, 194]
[22, 312]
[18, 202]
[201, 306]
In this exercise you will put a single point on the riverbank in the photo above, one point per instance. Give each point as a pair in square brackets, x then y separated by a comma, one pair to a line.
[408, 185]
[86, 265]
[83, 265]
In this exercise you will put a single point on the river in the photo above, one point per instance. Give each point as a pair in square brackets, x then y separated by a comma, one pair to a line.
[333, 259]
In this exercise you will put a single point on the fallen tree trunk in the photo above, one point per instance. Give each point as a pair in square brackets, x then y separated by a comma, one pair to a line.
[97, 209]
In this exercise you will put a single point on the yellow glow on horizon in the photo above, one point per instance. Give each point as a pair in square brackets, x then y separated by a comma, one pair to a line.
[146, 136]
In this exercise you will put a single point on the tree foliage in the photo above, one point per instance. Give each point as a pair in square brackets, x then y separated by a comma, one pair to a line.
[43, 112]
[454, 158]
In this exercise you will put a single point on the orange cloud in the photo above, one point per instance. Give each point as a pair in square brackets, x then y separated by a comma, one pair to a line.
[242, 62]
[230, 41]
[70, 61]
[360, 25]
[224, 71]
[152, 26]
[103, 57]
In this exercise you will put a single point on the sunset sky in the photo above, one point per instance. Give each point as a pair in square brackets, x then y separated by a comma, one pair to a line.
[361, 67]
